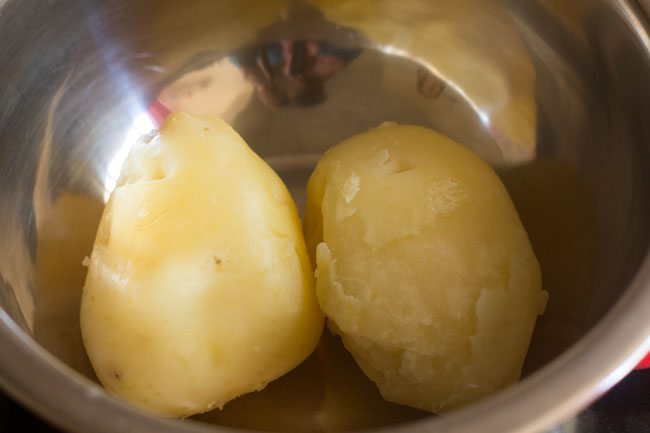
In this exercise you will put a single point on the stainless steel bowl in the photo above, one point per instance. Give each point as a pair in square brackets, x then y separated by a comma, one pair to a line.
[554, 94]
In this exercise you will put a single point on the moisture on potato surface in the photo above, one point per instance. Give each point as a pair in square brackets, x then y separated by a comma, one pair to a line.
[199, 286]
[423, 266]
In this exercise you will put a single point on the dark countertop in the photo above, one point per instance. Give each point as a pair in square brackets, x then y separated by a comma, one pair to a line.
[625, 409]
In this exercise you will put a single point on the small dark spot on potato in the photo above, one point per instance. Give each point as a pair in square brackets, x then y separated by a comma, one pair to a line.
[150, 136]
[116, 375]
[206, 129]
[217, 261]
[403, 166]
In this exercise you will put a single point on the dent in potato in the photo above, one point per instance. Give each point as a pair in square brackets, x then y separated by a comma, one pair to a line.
[199, 287]
[423, 266]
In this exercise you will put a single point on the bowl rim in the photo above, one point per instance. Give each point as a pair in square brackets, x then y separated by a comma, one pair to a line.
[542, 400]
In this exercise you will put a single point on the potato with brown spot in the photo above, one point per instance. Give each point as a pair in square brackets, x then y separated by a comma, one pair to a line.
[199, 287]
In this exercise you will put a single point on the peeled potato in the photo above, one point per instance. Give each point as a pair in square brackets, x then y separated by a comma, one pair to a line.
[423, 266]
[199, 287]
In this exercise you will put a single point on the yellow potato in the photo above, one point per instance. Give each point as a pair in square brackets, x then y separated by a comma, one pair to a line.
[423, 266]
[199, 287]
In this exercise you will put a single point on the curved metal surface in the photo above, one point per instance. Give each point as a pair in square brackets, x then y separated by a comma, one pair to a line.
[554, 95]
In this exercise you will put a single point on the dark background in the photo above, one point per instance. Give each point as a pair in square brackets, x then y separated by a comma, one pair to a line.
[625, 409]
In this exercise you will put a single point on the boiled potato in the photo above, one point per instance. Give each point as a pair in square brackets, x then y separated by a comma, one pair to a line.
[423, 266]
[199, 286]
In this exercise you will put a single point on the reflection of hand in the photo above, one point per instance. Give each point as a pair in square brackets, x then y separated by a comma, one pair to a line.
[309, 62]
[293, 71]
